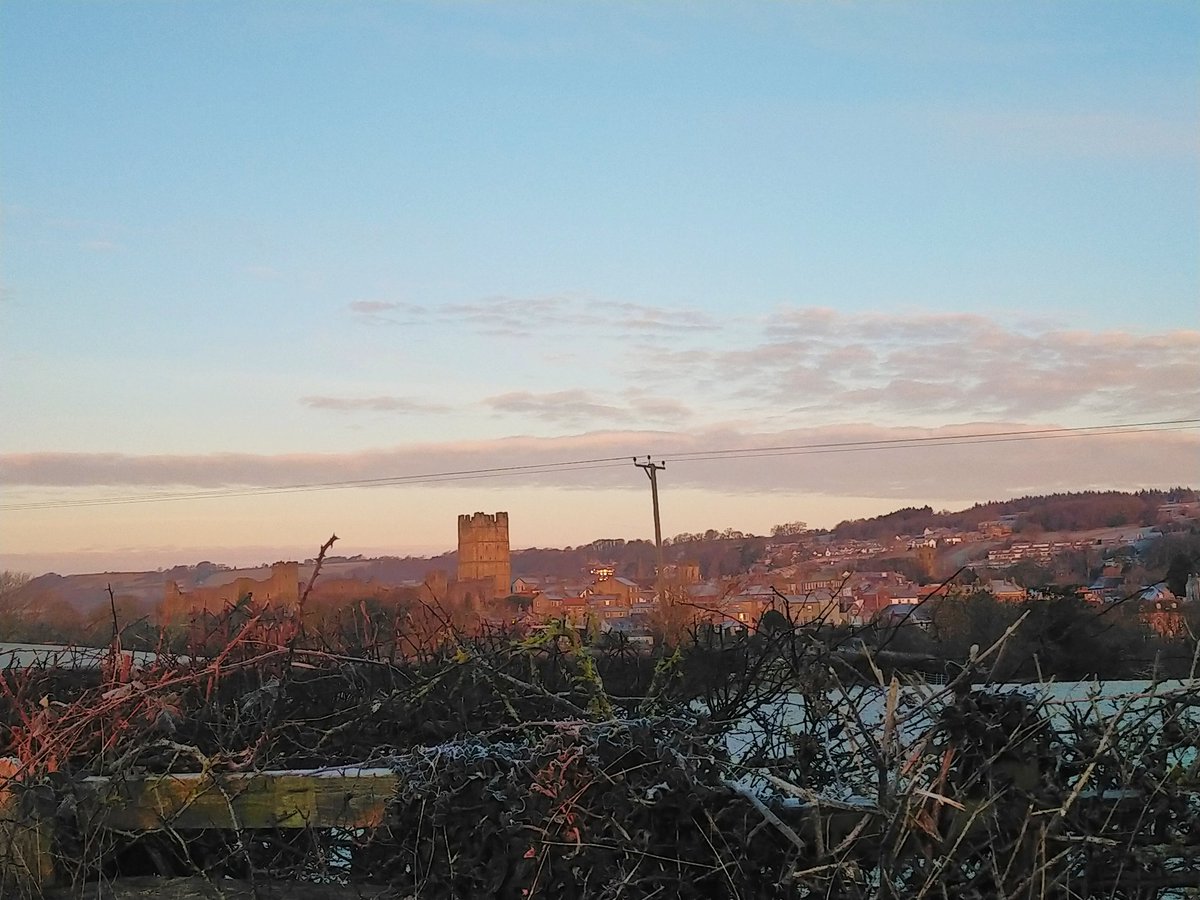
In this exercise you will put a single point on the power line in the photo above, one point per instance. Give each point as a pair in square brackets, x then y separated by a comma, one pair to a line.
[387, 481]
[610, 462]
[986, 437]
[922, 443]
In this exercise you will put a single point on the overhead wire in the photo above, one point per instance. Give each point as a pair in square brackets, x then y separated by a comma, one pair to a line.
[610, 462]
[385, 481]
[999, 437]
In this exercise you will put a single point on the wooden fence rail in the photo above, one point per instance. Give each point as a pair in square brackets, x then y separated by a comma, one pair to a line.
[315, 798]
[345, 797]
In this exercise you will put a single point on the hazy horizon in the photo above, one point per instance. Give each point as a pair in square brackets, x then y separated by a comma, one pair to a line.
[251, 556]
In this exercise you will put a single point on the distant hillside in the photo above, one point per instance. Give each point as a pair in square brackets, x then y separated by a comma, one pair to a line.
[1053, 512]
[85, 592]
[631, 559]
[718, 553]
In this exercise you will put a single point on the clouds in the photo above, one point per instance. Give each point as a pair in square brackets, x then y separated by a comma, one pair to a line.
[843, 461]
[382, 403]
[897, 367]
[625, 365]
[578, 407]
[528, 316]
[556, 406]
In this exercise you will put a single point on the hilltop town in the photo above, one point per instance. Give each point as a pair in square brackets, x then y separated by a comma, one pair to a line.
[860, 572]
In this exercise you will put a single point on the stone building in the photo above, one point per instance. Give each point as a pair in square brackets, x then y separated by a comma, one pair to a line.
[280, 589]
[483, 552]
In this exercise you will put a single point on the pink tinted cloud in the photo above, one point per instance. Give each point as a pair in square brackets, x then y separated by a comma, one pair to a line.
[381, 403]
[522, 316]
[894, 366]
[975, 471]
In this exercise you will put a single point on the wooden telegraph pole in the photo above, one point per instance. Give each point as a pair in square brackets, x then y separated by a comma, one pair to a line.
[652, 469]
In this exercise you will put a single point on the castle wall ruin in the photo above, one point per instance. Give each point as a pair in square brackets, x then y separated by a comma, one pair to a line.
[280, 589]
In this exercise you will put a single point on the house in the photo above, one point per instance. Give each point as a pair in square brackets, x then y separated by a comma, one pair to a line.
[743, 609]
[1156, 593]
[897, 614]
[682, 573]
[1006, 591]
[625, 588]
[824, 581]
[996, 528]
[821, 607]
[929, 591]
[1162, 611]
[608, 606]
[1179, 512]
[1107, 588]
[631, 632]
[526, 586]
[868, 603]
[548, 604]
[558, 603]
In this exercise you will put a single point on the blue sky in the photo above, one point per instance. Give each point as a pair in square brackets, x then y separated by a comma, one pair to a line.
[422, 230]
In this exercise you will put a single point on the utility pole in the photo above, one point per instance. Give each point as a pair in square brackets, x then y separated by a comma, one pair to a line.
[652, 469]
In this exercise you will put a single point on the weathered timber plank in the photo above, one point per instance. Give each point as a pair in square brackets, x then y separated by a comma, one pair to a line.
[334, 798]
[218, 889]
[26, 860]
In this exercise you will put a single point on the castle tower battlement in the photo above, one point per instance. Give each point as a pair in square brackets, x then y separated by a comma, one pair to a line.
[483, 551]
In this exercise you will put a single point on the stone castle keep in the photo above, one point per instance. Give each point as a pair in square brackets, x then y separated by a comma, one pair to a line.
[483, 551]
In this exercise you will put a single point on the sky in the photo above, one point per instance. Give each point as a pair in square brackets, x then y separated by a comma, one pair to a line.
[258, 244]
